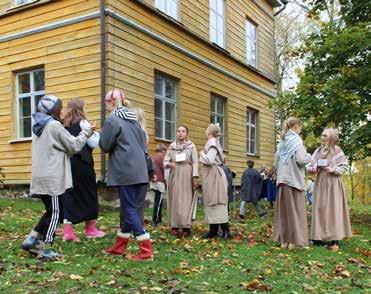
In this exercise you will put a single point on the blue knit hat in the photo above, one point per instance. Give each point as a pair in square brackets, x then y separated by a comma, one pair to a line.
[47, 104]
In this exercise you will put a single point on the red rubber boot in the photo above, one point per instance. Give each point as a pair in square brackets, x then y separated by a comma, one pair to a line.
[120, 246]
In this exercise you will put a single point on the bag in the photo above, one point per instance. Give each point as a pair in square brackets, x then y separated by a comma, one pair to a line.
[151, 166]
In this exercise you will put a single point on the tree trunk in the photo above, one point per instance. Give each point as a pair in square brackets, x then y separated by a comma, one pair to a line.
[351, 178]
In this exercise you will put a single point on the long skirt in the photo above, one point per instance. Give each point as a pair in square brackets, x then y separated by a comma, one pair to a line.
[180, 198]
[81, 203]
[330, 215]
[290, 216]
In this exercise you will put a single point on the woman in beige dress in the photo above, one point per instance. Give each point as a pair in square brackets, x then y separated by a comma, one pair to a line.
[330, 215]
[181, 173]
[214, 185]
[290, 227]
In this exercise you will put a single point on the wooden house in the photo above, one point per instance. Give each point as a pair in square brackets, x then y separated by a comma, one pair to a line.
[182, 61]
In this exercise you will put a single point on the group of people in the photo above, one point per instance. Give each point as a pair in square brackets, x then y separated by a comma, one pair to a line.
[330, 215]
[63, 178]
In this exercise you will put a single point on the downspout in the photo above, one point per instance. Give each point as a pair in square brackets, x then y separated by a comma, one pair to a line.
[284, 2]
[102, 81]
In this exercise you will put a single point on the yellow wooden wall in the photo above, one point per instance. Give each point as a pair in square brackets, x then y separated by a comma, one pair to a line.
[194, 15]
[133, 58]
[71, 57]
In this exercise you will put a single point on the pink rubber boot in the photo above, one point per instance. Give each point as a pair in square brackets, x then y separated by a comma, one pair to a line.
[69, 234]
[91, 230]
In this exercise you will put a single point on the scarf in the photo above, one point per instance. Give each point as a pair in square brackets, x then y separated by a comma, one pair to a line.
[40, 121]
[288, 146]
[214, 142]
[180, 147]
[124, 113]
[336, 160]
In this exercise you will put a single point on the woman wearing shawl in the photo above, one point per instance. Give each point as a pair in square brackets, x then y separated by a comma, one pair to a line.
[290, 213]
[125, 141]
[181, 173]
[330, 217]
[214, 185]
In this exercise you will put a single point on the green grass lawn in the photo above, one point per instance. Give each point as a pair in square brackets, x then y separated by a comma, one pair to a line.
[190, 265]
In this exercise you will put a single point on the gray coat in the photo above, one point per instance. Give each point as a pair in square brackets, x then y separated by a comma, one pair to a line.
[125, 141]
[251, 185]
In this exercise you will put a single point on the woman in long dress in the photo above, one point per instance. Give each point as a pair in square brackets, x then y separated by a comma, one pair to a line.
[80, 204]
[290, 227]
[181, 173]
[214, 185]
[330, 215]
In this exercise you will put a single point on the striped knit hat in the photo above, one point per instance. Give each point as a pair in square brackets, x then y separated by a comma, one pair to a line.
[47, 104]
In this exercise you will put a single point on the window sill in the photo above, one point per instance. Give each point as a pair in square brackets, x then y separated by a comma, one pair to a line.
[20, 140]
[253, 155]
[163, 140]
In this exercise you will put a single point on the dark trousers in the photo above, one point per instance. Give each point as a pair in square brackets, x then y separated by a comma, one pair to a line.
[51, 218]
[131, 204]
[157, 208]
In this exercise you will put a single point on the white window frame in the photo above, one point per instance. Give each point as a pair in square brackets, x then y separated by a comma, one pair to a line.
[252, 125]
[165, 7]
[31, 94]
[214, 114]
[165, 100]
[251, 43]
[220, 22]
[22, 2]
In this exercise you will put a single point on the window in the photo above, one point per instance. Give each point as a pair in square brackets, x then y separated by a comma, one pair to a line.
[217, 115]
[251, 128]
[165, 107]
[170, 7]
[251, 43]
[30, 87]
[20, 2]
[217, 22]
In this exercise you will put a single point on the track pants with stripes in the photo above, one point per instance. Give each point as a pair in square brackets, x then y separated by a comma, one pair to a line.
[51, 218]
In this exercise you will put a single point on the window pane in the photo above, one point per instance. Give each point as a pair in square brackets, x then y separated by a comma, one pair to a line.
[213, 20]
[220, 106]
[252, 133]
[170, 111]
[253, 117]
[213, 4]
[213, 36]
[25, 106]
[169, 130]
[158, 128]
[213, 104]
[39, 80]
[220, 121]
[173, 8]
[252, 147]
[158, 85]
[169, 89]
[24, 83]
[220, 7]
[25, 127]
[37, 99]
[158, 109]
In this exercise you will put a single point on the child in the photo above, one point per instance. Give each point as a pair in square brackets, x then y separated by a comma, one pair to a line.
[214, 185]
[290, 213]
[251, 187]
[51, 176]
[158, 183]
[125, 141]
[330, 214]
[181, 170]
[81, 203]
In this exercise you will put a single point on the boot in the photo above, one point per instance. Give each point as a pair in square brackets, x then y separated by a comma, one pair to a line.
[226, 234]
[31, 241]
[69, 234]
[91, 230]
[146, 250]
[213, 231]
[186, 232]
[121, 244]
[46, 252]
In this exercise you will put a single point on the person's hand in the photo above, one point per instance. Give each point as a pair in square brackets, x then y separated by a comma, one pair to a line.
[93, 125]
[329, 169]
[195, 183]
[171, 165]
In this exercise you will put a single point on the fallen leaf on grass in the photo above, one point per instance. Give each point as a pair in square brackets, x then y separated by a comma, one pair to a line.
[227, 262]
[307, 287]
[76, 277]
[157, 289]
[361, 263]
[251, 240]
[238, 237]
[341, 272]
[254, 285]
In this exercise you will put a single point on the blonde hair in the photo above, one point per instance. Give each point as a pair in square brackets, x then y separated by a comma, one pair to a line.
[117, 98]
[333, 139]
[75, 112]
[214, 130]
[289, 124]
[141, 117]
